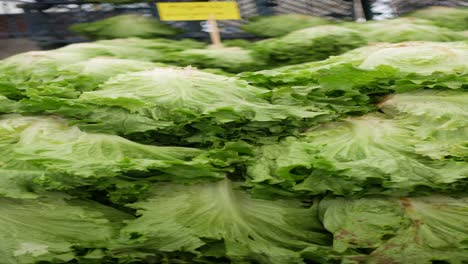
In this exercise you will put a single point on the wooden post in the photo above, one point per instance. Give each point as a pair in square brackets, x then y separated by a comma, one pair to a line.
[214, 32]
[358, 11]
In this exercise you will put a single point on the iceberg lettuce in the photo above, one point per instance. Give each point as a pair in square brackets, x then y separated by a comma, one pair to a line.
[45, 152]
[221, 220]
[310, 44]
[365, 154]
[56, 229]
[398, 230]
[123, 26]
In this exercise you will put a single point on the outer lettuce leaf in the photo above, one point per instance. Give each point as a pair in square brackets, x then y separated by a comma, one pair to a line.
[280, 25]
[219, 219]
[398, 230]
[418, 64]
[123, 26]
[358, 155]
[303, 73]
[76, 78]
[231, 59]
[16, 70]
[310, 44]
[421, 58]
[366, 74]
[402, 33]
[46, 150]
[404, 29]
[54, 229]
[7, 105]
[446, 111]
[453, 18]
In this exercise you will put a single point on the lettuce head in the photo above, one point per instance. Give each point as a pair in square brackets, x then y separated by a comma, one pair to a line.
[123, 26]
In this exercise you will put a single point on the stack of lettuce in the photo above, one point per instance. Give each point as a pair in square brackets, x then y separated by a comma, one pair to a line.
[359, 158]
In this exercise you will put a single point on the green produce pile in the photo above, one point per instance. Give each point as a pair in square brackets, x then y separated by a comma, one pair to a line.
[125, 26]
[113, 154]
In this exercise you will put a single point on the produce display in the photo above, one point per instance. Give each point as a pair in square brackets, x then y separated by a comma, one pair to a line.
[122, 151]
[123, 26]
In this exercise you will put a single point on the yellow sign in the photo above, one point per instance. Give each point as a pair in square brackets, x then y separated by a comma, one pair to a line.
[184, 11]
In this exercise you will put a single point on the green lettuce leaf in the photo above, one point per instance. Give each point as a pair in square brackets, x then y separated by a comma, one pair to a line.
[219, 218]
[398, 230]
[366, 75]
[358, 155]
[53, 229]
[7, 105]
[16, 70]
[402, 33]
[446, 111]
[399, 67]
[47, 151]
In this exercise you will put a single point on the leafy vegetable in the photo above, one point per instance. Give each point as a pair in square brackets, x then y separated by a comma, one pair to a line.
[32, 66]
[400, 66]
[404, 29]
[125, 26]
[365, 74]
[445, 111]
[358, 155]
[7, 105]
[398, 230]
[453, 18]
[408, 32]
[280, 25]
[218, 219]
[48, 151]
[309, 44]
[83, 76]
[55, 229]
[231, 59]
